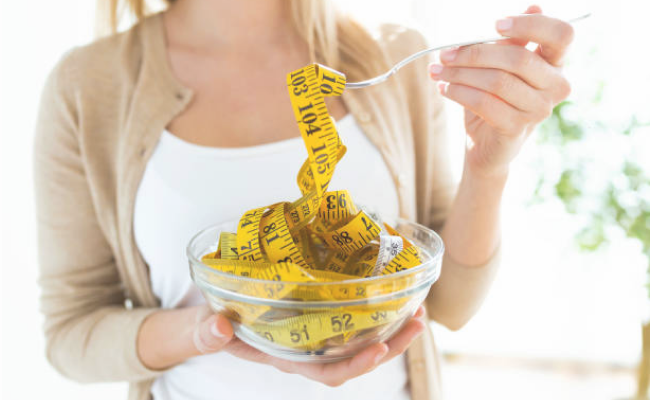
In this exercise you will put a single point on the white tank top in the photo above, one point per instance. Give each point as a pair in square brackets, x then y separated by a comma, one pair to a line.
[186, 187]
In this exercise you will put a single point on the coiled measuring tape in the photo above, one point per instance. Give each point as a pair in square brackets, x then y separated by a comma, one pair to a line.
[321, 237]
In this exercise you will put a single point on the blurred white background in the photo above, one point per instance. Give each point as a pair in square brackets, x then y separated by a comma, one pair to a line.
[558, 323]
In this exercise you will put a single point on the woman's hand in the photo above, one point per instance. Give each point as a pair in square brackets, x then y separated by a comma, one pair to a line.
[506, 89]
[169, 337]
[213, 332]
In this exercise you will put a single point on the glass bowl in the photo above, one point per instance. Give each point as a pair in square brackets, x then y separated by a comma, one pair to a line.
[316, 321]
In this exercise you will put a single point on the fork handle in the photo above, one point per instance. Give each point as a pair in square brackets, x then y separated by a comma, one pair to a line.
[381, 78]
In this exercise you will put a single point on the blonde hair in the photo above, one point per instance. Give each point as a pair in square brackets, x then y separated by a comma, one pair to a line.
[333, 39]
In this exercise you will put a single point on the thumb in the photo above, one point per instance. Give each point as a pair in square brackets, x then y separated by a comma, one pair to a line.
[534, 9]
[212, 334]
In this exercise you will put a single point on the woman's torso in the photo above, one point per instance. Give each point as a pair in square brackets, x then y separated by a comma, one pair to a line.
[186, 187]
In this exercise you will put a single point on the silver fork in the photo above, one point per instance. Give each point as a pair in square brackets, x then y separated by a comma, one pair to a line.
[383, 77]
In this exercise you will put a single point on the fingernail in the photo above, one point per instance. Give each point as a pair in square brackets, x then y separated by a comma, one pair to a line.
[449, 55]
[419, 312]
[381, 355]
[435, 69]
[504, 24]
[214, 329]
[442, 87]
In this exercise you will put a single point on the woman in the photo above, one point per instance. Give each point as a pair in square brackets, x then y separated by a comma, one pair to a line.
[133, 127]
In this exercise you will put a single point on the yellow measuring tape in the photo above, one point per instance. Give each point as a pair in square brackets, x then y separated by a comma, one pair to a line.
[321, 237]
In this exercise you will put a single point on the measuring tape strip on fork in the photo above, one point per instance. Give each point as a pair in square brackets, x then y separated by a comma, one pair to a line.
[308, 87]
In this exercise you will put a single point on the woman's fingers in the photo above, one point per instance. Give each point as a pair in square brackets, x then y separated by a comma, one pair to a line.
[212, 334]
[512, 58]
[517, 60]
[240, 349]
[337, 373]
[496, 81]
[376, 354]
[400, 342]
[419, 312]
[553, 35]
[331, 374]
[505, 85]
[499, 115]
[534, 9]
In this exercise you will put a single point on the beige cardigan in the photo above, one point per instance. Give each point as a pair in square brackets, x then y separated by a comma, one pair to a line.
[102, 111]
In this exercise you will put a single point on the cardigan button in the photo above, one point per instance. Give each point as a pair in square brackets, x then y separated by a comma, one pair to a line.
[128, 303]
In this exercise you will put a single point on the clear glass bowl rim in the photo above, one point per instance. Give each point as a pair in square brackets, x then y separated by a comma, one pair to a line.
[438, 252]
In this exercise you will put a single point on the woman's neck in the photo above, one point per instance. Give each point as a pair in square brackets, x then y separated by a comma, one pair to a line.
[218, 25]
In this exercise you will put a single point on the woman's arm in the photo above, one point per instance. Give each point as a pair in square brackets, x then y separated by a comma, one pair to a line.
[472, 238]
[472, 203]
[506, 91]
[472, 230]
[90, 335]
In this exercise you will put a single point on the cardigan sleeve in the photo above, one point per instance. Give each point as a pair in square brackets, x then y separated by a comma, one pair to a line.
[461, 289]
[90, 335]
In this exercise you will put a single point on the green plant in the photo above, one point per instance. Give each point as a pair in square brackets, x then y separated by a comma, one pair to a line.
[608, 195]
[621, 198]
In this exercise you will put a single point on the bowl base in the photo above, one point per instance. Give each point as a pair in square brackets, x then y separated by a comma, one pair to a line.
[315, 356]
[311, 356]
